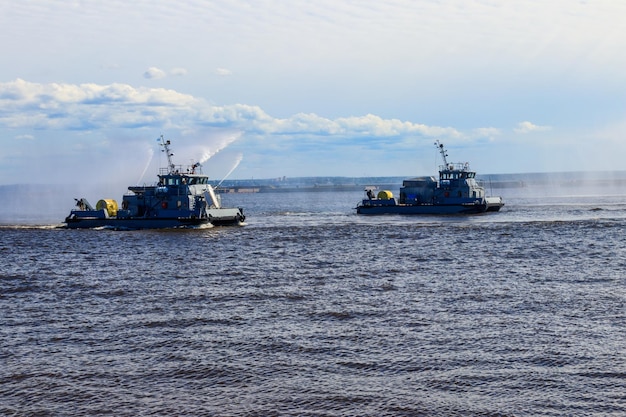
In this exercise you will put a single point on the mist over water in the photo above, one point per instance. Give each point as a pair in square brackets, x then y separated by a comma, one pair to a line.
[50, 203]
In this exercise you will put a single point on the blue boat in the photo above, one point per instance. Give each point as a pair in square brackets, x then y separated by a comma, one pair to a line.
[456, 192]
[181, 198]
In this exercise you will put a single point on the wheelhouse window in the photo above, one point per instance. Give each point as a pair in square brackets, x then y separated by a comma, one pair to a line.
[171, 180]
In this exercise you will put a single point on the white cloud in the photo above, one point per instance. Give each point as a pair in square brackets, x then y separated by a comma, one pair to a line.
[487, 132]
[94, 117]
[88, 106]
[178, 72]
[25, 137]
[154, 73]
[528, 127]
[91, 106]
[82, 113]
[223, 72]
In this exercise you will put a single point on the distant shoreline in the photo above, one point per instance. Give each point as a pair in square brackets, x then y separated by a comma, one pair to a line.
[495, 181]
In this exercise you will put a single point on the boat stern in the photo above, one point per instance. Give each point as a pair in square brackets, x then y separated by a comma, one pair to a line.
[493, 203]
[225, 216]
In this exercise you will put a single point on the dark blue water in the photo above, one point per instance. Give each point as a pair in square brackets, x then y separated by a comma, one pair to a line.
[311, 310]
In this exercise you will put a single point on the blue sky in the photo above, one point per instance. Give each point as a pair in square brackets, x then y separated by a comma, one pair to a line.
[309, 88]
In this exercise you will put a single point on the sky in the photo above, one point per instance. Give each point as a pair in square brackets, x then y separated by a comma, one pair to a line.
[265, 89]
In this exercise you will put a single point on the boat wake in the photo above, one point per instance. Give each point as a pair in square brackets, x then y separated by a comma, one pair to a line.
[33, 226]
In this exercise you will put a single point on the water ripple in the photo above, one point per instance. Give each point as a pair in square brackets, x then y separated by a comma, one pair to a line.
[317, 318]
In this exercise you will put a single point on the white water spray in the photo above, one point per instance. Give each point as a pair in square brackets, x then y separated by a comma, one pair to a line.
[150, 155]
[237, 162]
[220, 143]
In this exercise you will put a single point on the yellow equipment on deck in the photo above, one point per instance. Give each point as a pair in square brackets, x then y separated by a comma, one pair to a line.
[385, 195]
[109, 205]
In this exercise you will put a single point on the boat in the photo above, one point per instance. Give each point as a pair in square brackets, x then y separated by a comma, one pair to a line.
[180, 198]
[455, 192]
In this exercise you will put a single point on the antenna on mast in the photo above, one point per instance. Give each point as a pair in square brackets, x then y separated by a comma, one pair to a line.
[443, 152]
[168, 152]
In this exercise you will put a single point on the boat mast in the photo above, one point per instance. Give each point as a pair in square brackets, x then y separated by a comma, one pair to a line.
[168, 152]
[443, 153]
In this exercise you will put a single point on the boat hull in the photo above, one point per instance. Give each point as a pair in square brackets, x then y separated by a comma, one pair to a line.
[91, 223]
[425, 209]
[217, 217]
[419, 210]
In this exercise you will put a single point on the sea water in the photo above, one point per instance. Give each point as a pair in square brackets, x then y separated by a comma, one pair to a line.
[312, 310]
